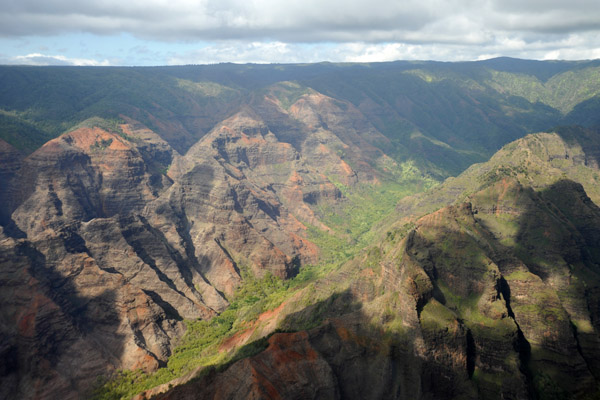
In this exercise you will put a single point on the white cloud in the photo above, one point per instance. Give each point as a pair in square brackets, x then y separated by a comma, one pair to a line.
[299, 20]
[42, 59]
[307, 30]
[241, 52]
[574, 47]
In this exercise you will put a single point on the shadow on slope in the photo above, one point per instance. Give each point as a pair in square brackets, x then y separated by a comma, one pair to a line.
[546, 247]
[52, 326]
[498, 298]
[333, 349]
[586, 137]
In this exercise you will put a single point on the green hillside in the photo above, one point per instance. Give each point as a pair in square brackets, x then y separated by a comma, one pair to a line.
[444, 115]
[538, 160]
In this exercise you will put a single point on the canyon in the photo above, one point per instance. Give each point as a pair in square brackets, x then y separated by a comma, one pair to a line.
[389, 230]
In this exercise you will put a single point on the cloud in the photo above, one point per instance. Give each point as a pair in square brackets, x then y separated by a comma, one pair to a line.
[254, 52]
[574, 47]
[41, 59]
[306, 30]
[300, 20]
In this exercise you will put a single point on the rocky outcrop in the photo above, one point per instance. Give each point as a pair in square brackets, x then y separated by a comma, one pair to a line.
[457, 309]
[122, 253]
[110, 239]
[493, 297]
[131, 237]
[538, 160]
[10, 163]
[66, 320]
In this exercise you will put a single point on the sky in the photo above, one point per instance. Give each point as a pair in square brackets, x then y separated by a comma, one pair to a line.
[176, 32]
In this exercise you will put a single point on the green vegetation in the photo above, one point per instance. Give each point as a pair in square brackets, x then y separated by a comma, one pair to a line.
[21, 134]
[53, 100]
[352, 223]
[208, 89]
[108, 124]
[100, 145]
[563, 91]
[199, 347]
[519, 275]
[396, 234]
[435, 316]
[468, 308]
[548, 388]
[445, 117]
[288, 93]
[530, 161]
[355, 221]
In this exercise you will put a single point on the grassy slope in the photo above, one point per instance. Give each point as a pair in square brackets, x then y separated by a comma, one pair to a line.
[538, 160]
[469, 253]
[532, 226]
[199, 347]
[562, 91]
[21, 134]
[52, 100]
[352, 222]
[450, 115]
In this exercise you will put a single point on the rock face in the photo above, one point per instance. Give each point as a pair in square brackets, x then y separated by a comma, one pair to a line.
[111, 238]
[113, 234]
[495, 297]
[10, 162]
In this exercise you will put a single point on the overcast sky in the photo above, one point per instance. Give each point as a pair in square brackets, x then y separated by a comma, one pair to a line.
[161, 32]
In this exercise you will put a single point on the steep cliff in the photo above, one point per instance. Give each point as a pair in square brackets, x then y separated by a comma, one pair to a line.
[125, 238]
[495, 297]
[212, 223]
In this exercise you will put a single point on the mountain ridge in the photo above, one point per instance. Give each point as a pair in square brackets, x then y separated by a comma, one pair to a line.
[180, 222]
[183, 103]
[488, 300]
